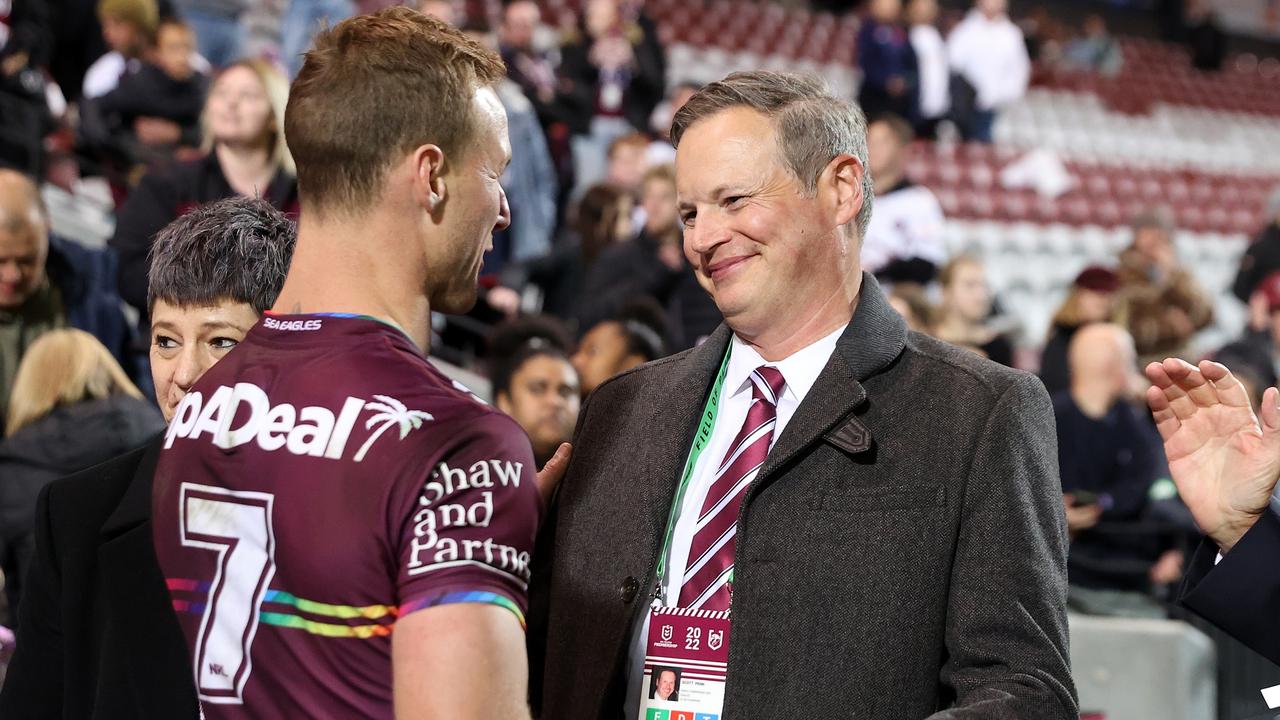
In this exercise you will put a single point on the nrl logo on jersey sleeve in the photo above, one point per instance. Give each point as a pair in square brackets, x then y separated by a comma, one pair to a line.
[235, 416]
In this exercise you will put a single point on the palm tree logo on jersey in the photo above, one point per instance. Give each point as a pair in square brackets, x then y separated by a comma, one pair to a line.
[390, 412]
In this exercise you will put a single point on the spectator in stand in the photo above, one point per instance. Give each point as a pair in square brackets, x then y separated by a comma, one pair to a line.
[48, 283]
[1263, 256]
[1044, 36]
[220, 35]
[628, 162]
[72, 407]
[1091, 299]
[128, 27]
[1096, 51]
[27, 41]
[965, 311]
[1109, 456]
[530, 180]
[246, 155]
[602, 219]
[648, 265]
[933, 100]
[1255, 356]
[1160, 300]
[534, 382]
[154, 110]
[632, 338]
[303, 19]
[613, 74]
[988, 53]
[530, 67]
[25, 112]
[887, 62]
[904, 240]
[1207, 41]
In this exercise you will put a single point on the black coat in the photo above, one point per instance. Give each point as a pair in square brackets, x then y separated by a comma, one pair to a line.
[1241, 594]
[160, 198]
[631, 270]
[581, 79]
[98, 637]
[1055, 372]
[107, 122]
[67, 440]
[1260, 260]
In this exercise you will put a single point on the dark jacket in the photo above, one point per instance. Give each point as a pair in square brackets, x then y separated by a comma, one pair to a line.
[98, 637]
[559, 275]
[885, 54]
[1117, 457]
[67, 440]
[160, 198]
[1055, 371]
[1251, 357]
[1241, 594]
[86, 279]
[1260, 260]
[902, 551]
[107, 122]
[643, 91]
[633, 270]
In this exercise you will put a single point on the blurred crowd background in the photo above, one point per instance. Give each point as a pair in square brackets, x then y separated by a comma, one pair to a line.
[1072, 188]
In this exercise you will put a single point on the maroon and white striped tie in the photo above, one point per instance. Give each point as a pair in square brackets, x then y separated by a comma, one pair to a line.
[711, 553]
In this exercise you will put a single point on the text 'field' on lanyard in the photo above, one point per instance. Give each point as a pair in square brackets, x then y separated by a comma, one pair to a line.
[706, 424]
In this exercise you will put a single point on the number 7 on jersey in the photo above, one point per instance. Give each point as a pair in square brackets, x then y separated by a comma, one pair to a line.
[237, 526]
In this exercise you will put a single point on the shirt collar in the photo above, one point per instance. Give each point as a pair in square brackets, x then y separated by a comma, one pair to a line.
[800, 369]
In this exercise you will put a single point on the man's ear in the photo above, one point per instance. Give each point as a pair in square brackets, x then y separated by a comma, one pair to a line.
[842, 178]
[429, 169]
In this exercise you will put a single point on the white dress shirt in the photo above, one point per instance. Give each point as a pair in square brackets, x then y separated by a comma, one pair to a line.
[800, 370]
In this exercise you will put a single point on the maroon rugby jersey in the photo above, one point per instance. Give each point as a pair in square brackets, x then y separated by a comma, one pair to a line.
[318, 482]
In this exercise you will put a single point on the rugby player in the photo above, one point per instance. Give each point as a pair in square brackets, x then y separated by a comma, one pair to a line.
[344, 531]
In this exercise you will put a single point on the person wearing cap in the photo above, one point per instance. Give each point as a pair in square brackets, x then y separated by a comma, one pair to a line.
[1162, 303]
[1263, 256]
[1092, 298]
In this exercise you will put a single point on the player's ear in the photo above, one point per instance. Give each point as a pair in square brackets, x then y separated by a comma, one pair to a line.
[430, 167]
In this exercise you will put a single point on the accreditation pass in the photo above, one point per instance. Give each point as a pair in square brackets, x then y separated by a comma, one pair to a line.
[684, 665]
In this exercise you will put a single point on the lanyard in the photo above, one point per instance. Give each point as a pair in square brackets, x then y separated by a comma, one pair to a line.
[700, 440]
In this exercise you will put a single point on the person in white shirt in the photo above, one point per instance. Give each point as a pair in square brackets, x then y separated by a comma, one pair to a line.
[988, 51]
[931, 63]
[904, 241]
[128, 28]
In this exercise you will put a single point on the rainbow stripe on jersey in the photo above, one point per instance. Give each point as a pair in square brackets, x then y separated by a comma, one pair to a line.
[284, 609]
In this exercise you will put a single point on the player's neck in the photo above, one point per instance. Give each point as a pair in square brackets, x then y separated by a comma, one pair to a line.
[340, 267]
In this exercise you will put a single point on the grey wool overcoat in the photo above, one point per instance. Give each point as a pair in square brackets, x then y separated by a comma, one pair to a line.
[901, 554]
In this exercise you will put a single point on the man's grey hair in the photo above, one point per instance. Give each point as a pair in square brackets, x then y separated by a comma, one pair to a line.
[813, 126]
[235, 250]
